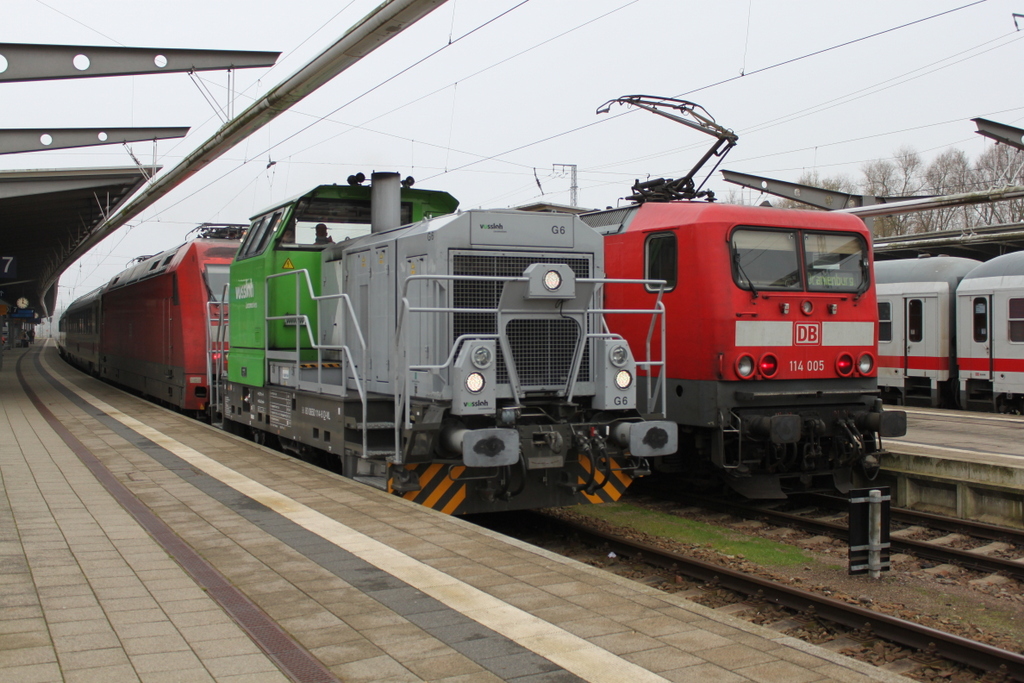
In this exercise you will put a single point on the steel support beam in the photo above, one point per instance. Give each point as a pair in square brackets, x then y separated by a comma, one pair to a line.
[1000, 132]
[381, 25]
[13, 141]
[829, 200]
[20, 62]
[929, 203]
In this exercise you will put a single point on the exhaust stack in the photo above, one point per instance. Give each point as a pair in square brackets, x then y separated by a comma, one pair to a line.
[385, 201]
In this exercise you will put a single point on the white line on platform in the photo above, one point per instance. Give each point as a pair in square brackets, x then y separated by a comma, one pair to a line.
[569, 651]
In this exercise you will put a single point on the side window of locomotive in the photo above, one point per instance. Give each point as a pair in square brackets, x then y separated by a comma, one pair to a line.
[268, 233]
[979, 319]
[1016, 320]
[765, 259]
[256, 232]
[835, 262]
[661, 261]
[915, 320]
[259, 236]
[884, 321]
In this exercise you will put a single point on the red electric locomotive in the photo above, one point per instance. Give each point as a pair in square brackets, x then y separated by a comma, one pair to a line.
[157, 321]
[771, 321]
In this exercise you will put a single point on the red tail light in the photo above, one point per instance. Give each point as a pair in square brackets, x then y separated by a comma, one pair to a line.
[844, 364]
[769, 365]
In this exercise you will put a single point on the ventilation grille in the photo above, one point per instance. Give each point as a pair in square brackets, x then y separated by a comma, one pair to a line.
[542, 348]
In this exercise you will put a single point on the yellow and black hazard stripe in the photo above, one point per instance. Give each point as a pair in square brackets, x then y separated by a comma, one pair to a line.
[322, 365]
[609, 488]
[440, 488]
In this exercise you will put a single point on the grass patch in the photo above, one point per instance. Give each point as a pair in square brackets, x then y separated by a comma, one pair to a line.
[726, 541]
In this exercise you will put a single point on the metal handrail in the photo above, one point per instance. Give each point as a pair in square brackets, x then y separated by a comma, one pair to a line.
[215, 370]
[302, 320]
[401, 377]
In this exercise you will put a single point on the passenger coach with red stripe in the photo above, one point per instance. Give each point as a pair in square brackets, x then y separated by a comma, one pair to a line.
[951, 332]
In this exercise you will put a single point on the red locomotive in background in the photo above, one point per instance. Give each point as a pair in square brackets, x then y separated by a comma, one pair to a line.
[152, 327]
[771, 333]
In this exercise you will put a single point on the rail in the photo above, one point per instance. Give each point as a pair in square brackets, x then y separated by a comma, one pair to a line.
[907, 633]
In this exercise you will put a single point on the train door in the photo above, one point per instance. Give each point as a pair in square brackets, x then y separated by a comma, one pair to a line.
[367, 281]
[382, 313]
[976, 344]
[1008, 344]
[891, 345]
[923, 335]
[357, 285]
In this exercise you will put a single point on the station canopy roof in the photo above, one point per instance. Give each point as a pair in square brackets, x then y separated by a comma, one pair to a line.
[981, 243]
[48, 219]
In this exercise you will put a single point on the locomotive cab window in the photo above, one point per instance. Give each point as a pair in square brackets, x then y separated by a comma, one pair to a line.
[764, 259]
[320, 221]
[884, 321]
[661, 261]
[259, 236]
[1016, 320]
[835, 262]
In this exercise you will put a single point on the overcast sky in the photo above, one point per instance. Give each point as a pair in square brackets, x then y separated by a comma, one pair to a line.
[489, 117]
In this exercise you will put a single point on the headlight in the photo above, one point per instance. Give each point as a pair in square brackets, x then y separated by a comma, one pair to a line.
[769, 365]
[623, 379]
[745, 366]
[552, 280]
[844, 364]
[865, 363]
[618, 355]
[474, 382]
[481, 357]
[806, 307]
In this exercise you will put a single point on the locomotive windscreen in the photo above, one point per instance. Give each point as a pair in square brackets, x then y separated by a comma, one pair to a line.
[217, 275]
[836, 262]
[770, 259]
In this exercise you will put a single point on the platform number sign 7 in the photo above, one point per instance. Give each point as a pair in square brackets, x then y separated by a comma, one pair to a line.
[8, 267]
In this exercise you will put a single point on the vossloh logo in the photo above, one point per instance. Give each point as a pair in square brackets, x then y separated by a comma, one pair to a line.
[245, 290]
[496, 227]
[479, 403]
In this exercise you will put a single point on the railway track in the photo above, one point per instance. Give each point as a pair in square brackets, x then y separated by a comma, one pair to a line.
[999, 539]
[931, 643]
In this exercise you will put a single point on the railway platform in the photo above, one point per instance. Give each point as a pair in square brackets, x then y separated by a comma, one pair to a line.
[961, 464]
[139, 545]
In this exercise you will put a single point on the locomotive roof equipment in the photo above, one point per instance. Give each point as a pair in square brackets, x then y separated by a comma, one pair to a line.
[662, 189]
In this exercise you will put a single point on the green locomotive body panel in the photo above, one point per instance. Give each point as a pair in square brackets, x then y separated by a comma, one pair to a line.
[282, 249]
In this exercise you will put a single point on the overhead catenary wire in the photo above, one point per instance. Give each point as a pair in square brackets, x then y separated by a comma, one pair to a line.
[525, 166]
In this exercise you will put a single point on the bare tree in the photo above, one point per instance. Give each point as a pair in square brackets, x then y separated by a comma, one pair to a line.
[900, 177]
[999, 166]
[949, 173]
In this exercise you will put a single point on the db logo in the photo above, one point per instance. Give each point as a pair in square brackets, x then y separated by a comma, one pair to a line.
[808, 333]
